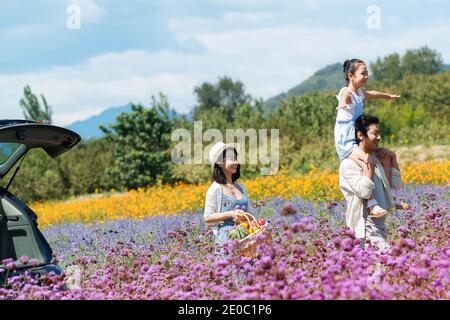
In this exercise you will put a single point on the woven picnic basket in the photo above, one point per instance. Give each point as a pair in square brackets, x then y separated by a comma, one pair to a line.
[248, 245]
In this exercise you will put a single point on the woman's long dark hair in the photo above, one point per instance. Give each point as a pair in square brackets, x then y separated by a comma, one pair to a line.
[218, 174]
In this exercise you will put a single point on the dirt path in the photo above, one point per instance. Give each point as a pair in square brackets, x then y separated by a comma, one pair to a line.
[422, 153]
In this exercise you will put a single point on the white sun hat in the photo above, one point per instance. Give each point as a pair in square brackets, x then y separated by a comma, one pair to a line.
[216, 151]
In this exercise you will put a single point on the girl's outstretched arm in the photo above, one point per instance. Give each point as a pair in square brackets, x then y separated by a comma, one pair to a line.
[346, 99]
[372, 94]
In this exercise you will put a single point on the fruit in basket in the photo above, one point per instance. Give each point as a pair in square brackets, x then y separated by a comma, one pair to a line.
[237, 233]
[262, 222]
[245, 224]
[253, 229]
[233, 234]
[243, 232]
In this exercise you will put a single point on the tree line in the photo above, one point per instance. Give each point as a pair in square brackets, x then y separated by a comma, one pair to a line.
[135, 151]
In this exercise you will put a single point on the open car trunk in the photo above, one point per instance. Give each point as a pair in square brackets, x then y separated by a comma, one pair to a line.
[19, 234]
[19, 136]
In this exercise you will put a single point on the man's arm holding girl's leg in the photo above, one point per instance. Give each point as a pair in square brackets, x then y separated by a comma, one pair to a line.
[388, 160]
[361, 184]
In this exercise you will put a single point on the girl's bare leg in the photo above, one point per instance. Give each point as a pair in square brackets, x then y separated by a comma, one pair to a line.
[386, 162]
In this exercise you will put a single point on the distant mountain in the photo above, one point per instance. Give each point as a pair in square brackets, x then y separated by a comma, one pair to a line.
[327, 78]
[89, 128]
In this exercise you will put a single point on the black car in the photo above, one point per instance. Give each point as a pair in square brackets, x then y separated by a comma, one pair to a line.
[19, 233]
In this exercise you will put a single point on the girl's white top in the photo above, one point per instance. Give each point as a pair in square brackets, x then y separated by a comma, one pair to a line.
[353, 110]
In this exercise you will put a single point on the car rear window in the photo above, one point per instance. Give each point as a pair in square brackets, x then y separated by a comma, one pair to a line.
[6, 150]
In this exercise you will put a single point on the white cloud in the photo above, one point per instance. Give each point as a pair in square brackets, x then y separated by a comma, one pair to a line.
[287, 54]
[250, 17]
[78, 92]
[68, 118]
[268, 60]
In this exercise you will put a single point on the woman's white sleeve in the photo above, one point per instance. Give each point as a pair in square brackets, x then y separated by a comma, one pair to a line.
[210, 202]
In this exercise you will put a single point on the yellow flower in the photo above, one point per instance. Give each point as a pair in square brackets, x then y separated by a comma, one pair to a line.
[317, 185]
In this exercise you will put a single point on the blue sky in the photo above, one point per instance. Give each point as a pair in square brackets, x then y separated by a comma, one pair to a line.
[130, 50]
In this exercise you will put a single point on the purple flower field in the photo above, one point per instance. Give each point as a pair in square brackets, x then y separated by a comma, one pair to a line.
[311, 256]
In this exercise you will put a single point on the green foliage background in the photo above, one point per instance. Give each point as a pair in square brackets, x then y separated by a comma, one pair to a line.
[135, 152]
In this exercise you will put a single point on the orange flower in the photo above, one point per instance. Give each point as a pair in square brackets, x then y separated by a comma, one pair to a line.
[317, 185]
